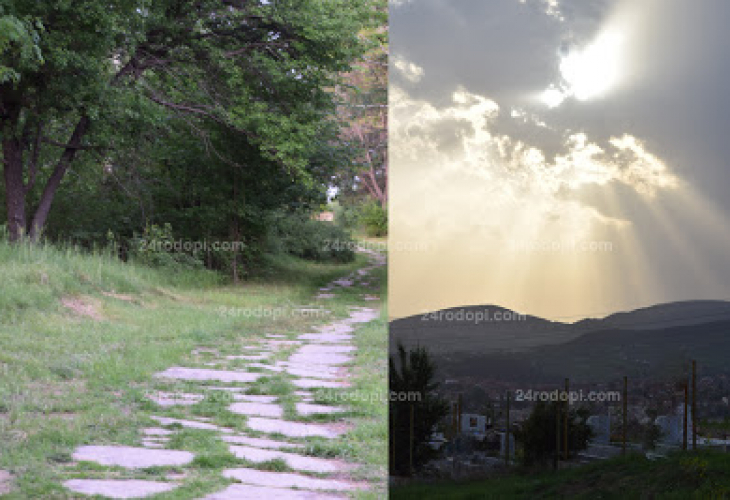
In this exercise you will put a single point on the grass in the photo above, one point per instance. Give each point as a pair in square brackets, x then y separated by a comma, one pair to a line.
[67, 379]
[681, 476]
[368, 443]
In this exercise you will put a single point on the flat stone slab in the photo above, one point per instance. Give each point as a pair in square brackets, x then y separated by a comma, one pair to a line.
[325, 349]
[249, 492]
[180, 373]
[325, 296]
[156, 431]
[337, 327]
[6, 482]
[175, 398]
[255, 398]
[334, 338]
[257, 409]
[286, 480]
[260, 442]
[118, 488]
[298, 462]
[324, 368]
[153, 443]
[190, 424]
[313, 310]
[306, 396]
[311, 372]
[132, 457]
[343, 283]
[363, 315]
[315, 409]
[323, 359]
[292, 429]
[204, 350]
[227, 389]
[309, 383]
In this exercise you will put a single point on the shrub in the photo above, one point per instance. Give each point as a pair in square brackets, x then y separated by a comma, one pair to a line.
[373, 218]
[298, 234]
[157, 247]
[346, 216]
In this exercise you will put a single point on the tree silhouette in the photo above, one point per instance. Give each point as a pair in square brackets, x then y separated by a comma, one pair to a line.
[413, 399]
[537, 434]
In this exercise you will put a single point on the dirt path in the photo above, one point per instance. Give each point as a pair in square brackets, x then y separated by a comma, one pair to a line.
[277, 430]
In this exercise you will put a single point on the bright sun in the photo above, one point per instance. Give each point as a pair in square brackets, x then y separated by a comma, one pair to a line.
[589, 72]
[592, 71]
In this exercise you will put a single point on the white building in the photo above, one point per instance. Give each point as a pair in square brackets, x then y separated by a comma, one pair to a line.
[472, 423]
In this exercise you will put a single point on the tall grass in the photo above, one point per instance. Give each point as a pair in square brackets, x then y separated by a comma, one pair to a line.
[35, 277]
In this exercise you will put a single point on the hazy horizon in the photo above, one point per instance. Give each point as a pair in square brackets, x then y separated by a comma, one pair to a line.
[564, 319]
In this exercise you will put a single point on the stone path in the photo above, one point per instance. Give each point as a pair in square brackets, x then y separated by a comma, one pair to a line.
[275, 431]
[5, 482]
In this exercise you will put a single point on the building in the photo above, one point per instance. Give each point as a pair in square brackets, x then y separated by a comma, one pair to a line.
[325, 216]
[472, 423]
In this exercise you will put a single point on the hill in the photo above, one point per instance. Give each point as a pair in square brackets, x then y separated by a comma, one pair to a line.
[684, 313]
[644, 342]
[484, 328]
[461, 329]
[601, 356]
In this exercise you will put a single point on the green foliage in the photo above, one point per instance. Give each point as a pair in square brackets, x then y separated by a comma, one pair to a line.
[651, 435]
[19, 48]
[363, 113]
[366, 215]
[157, 247]
[373, 218]
[299, 235]
[207, 115]
[413, 372]
[537, 434]
[694, 468]
[346, 216]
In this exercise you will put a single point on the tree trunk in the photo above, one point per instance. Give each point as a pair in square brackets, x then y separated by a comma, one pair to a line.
[14, 188]
[49, 192]
[236, 227]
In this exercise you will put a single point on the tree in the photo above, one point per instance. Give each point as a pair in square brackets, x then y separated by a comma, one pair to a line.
[413, 372]
[651, 435]
[261, 70]
[364, 111]
[537, 434]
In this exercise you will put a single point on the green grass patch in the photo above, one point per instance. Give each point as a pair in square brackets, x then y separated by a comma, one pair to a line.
[79, 373]
[705, 475]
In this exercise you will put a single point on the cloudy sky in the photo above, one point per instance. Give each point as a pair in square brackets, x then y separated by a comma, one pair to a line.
[564, 158]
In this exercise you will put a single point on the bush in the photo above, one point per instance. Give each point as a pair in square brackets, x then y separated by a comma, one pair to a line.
[373, 218]
[346, 216]
[298, 234]
[157, 247]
